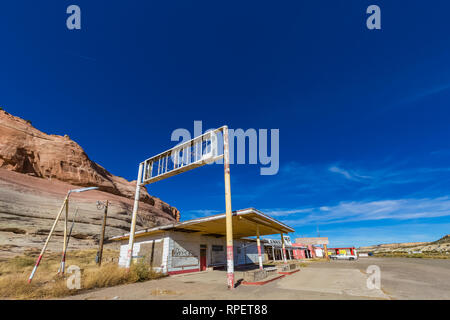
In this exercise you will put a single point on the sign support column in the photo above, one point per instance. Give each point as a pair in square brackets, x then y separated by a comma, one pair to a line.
[133, 219]
[229, 214]
[258, 242]
[284, 248]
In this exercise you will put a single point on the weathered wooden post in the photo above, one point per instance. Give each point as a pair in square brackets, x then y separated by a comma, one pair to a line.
[63, 256]
[102, 236]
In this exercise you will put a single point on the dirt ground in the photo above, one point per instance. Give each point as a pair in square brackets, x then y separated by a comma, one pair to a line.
[400, 279]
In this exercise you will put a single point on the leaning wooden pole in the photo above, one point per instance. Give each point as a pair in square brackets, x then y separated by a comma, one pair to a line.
[63, 256]
[228, 212]
[68, 236]
[38, 261]
[133, 219]
[102, 236]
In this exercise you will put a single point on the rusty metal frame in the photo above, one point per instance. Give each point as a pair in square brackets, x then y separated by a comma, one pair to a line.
[181, 158]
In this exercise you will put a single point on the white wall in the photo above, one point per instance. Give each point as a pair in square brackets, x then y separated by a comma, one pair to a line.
[136, 248]
[319, 253]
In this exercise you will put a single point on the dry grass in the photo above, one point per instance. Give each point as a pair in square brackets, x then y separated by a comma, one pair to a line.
[15, 286]
[47, 284]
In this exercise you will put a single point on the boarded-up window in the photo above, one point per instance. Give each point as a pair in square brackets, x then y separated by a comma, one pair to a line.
[217, 254]
[152, 253]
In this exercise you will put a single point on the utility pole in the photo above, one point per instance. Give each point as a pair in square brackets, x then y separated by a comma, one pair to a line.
[102, 235]
[64, 251]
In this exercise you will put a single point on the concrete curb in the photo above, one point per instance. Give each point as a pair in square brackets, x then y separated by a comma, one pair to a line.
[260, 283]
[290, 272]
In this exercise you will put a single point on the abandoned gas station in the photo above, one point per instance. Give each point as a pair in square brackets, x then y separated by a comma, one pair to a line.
[216, 241]
[200, 244]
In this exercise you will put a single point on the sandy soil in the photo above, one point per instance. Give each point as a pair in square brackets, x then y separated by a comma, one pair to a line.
[29, 205]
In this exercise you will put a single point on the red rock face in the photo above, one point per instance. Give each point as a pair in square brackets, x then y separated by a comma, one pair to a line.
[26, 150]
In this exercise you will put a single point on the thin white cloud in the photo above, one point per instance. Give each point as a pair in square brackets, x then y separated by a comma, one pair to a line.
[397, 209]
[406, 232]
[201, 212]
[349, 175]
[285, 212]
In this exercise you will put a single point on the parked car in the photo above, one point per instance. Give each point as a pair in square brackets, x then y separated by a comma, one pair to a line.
[343, 257]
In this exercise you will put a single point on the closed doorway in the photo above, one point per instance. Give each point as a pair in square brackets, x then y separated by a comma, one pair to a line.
[202, 257]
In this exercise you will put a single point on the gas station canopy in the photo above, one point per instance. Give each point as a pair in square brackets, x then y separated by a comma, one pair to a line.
[244, 225]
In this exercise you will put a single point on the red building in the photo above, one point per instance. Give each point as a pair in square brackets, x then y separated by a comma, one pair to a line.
[344, 251]
[302, 251]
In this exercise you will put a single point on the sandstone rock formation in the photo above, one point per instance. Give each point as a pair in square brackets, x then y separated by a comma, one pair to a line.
[29, 205]
[37, 170]
[27, 150]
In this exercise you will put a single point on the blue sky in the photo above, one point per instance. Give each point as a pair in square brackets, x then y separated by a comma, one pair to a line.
[363, 115]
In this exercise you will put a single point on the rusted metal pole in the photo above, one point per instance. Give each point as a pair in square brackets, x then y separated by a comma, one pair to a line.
[38, 261]
[284, 248]
[258, 243]
[102, 237]
[228, 212]
[134, 217]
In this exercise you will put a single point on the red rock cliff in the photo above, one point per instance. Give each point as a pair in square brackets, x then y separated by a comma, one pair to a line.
[26, 150]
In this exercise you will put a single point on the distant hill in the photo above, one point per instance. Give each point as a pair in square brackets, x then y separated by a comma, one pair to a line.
[444, 239]
[441, 245]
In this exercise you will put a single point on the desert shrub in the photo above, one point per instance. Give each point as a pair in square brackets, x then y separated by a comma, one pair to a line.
[22, 261]
[105, 276]
[16, 286]
[14, 274]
